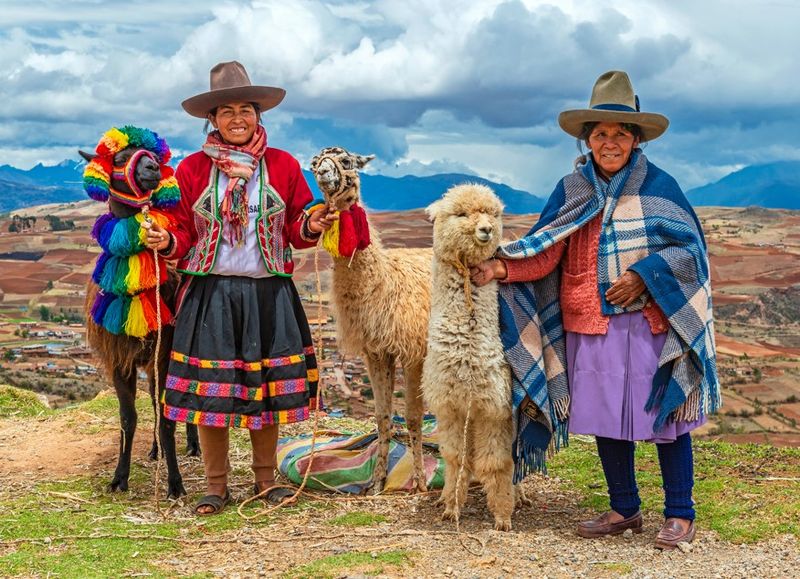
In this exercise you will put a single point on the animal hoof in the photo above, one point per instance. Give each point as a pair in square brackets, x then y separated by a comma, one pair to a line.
[521, 499]
[502, 525]
[153, 454]
[193, 448]
[377, 488]
[175, 490]
[420, 486]
[118, 485]
[450, 515]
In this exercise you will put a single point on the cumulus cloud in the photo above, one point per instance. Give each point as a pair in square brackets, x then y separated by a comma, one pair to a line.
[426, 85]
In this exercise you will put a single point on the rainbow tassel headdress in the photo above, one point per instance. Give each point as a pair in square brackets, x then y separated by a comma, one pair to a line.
[126, 270]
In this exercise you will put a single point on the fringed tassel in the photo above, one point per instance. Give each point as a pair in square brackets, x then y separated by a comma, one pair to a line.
[148, 299]
[689, 411]
[108, 275]
[348, 242]
[97, 229]
[99, 267]
[330, 239]
[561, 409]
[361, 226]
[101, 302]
[142, 272]
[135, 322]
[114, 318]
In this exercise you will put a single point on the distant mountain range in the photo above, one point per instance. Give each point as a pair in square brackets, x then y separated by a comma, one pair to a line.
[772, 185]
[62, 183]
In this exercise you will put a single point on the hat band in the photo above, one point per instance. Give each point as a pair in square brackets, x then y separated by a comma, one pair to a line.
[624, 108]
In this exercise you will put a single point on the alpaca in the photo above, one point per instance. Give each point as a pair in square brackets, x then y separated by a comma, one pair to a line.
[129, 170]
[465, 370]
[381, 299]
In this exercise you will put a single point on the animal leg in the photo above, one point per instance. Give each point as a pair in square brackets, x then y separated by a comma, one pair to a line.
[494, 466]
[413, 377]
[521, 499]
[381, 376]
[175, 487]
[192, 440]
[451, 445]
[125, 386]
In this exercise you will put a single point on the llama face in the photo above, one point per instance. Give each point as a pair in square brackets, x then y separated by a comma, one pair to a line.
[336, 172]
[146, 171]
[467, 224]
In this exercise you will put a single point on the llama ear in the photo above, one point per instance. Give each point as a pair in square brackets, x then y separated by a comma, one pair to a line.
[88, 156]
[434, 209]
[362, 160]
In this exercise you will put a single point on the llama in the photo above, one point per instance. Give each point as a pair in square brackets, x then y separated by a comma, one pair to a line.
[129, 170]
[381, 299]
[465, 371]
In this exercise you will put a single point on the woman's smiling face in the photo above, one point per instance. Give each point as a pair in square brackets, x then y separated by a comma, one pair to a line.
[236, 122]
[611, 146]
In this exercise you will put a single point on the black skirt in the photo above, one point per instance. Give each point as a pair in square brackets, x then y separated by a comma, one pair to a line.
[242, 354]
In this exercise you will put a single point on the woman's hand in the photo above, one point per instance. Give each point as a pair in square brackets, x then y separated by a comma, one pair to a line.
[488, 270]
[626, 289]
[322, 219]
[157, 237]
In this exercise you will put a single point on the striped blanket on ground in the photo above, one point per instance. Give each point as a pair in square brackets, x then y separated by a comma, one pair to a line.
[344, 462]
[648, 227]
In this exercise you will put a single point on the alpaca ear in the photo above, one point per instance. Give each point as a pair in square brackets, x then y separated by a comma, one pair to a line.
[434, 209]
[362, 160]
[88, 156]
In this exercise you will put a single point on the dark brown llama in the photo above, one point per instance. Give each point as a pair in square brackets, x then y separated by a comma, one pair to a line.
[129, 171]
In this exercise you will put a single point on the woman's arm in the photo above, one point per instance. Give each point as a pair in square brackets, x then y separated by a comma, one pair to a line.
[516, 270]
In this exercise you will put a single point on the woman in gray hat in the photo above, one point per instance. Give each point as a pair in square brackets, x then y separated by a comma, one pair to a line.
[606, 315]
[242, 353]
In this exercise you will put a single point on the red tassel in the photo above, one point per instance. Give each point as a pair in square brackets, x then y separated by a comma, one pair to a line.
[360, 226]
[347, 234]
[148, 299]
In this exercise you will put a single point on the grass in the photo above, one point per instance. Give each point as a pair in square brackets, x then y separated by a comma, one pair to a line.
[354, 563]
[18, 403]
[357, 519]
[740, 491]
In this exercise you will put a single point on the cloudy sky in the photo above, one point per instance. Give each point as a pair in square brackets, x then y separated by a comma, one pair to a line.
[427, 85]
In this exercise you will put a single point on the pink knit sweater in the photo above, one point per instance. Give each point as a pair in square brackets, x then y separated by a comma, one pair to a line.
[580, 299]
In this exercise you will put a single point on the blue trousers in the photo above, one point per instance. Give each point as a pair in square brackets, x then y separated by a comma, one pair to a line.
[677, 475]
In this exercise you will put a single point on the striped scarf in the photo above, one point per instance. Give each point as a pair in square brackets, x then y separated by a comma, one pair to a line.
[648, 227]
[239, 164]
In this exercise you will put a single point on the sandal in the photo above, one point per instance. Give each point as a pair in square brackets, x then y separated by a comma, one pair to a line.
[276, 495]
[216, 502]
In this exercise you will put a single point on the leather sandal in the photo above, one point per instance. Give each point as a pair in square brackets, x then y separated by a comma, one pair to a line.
[672, 533]
[276, 495]
[216, 502]
[601, 526]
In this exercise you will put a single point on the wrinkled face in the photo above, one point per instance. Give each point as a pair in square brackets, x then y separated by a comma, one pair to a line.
[467, 224]
[336, 173]
[236, 122]
[147, 173]
[611, 147]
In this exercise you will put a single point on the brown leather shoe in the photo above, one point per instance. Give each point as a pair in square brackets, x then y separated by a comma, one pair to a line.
[601, 526]
[672, 533]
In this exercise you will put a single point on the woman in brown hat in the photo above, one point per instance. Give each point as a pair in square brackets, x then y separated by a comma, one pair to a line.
[242, 353]
[606, 315]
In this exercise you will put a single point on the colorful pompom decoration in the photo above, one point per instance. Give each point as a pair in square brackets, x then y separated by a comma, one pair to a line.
[348, 234]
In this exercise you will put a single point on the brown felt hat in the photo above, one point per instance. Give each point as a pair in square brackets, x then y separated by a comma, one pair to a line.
[613, 101]
[230, 84]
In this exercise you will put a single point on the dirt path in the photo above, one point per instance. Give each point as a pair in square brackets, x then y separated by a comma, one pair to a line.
[542, 543]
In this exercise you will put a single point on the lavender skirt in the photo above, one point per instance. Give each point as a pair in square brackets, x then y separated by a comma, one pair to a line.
[610, 378]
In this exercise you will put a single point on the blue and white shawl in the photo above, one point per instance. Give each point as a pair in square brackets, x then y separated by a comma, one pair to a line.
[648, 227]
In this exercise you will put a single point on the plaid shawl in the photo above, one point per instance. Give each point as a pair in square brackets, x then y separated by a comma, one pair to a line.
[648, 227]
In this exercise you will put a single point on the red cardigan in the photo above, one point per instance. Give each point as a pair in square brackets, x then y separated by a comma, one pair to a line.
[581, 309]
[199, 225]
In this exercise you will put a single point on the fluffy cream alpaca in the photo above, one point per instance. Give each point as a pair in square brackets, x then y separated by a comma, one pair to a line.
[382, 300]
[465, 367]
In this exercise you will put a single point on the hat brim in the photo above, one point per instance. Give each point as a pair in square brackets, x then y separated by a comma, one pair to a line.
[653, 125]
[266, 97]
